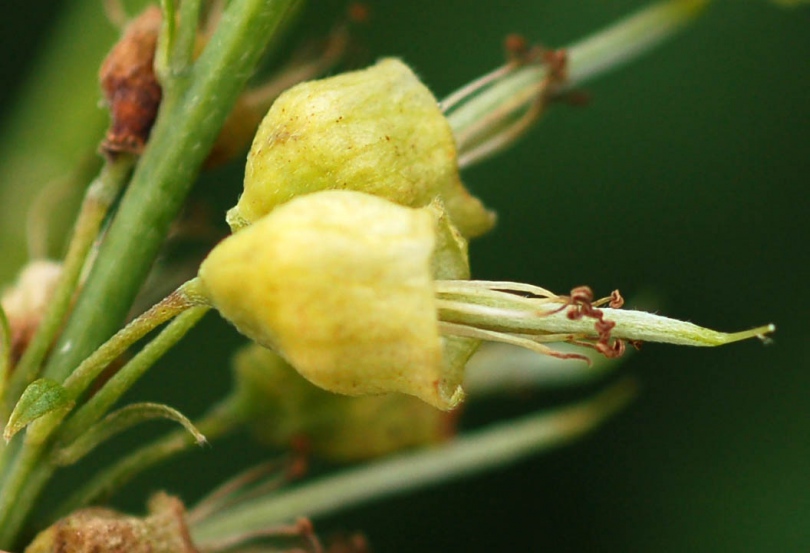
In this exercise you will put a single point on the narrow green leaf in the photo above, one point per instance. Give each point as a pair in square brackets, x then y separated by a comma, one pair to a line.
[41, 397]
[117, 422]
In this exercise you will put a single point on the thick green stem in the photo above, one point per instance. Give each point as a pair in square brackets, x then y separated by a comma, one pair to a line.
[496, 446]
[183, 134]
[97, 201]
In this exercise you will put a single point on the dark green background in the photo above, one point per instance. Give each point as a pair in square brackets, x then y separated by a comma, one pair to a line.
[686, 177]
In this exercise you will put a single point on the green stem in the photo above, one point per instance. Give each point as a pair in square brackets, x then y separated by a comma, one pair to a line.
[496, 446]
[165, 41]
[219, 421]
[113, 389]
[183, 134]
[630, 38]
[587, 59]
[95, 206]
[29, 470]
[36, 481]
[171, 306]
[19, 490]
[5, 359]
[182, 51]
[118, 422]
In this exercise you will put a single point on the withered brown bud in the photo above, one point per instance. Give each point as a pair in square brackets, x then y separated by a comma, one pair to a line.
[97, 530]
[130, 86]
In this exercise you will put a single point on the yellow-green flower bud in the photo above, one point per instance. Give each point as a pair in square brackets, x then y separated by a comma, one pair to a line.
[379, 131]
[285, 408]
[341, 284]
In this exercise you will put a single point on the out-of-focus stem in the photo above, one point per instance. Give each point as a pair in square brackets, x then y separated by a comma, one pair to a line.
[496, 446]
[100, 195]
[220, 420]
[586, 59]
[56, 121]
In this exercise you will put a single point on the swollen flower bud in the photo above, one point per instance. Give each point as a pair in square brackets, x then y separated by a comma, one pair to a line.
[340, 283]
[378, 131]
[285, 408]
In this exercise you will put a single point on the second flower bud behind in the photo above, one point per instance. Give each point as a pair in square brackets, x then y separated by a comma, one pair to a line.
[285, 409]
[378, 130]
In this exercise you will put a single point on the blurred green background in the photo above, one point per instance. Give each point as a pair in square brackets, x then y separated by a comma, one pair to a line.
[684, 178]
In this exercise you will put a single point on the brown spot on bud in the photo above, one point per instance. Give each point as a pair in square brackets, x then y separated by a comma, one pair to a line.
[130, 86]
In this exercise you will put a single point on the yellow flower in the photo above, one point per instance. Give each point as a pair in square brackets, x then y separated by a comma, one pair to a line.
[340, 283]
[364, 296]
[378, 130]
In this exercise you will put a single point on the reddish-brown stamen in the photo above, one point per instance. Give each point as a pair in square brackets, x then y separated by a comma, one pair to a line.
[580, 304]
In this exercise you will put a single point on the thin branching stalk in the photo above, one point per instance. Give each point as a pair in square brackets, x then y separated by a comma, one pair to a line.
[219, 421]
[495, 446]
[113, 389]
[183, 134]
[100, 195]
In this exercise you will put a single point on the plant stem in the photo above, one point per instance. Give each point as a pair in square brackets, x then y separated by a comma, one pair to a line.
[182, 51]
[588, 58]
[97, 201]
[220, 420]
[183, 134]
[113, 389]
[30, 470]
[120, 421]
[19, 490]
[168, 308]
[496, 446]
